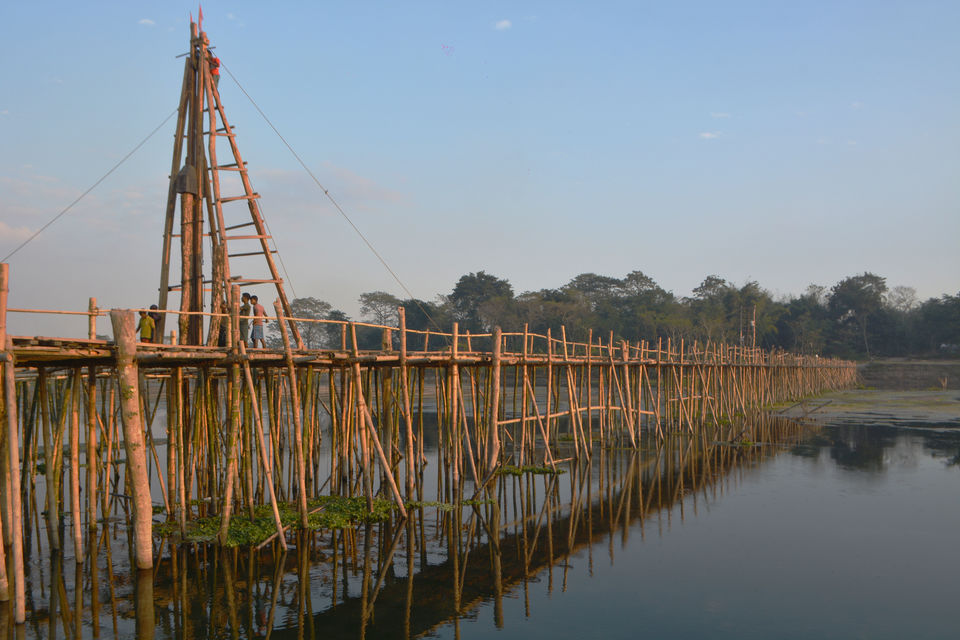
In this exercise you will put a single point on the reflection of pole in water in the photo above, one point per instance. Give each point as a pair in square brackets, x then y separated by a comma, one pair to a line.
[145, 623]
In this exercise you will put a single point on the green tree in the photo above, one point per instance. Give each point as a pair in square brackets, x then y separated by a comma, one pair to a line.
[379, 307]
[856, 299]
[593, 288]
[313, 333]
[472, 293]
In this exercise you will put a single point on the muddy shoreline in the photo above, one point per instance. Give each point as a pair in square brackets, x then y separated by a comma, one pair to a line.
[906, 409]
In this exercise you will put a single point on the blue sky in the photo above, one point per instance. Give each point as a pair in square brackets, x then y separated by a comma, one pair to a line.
[785, 142]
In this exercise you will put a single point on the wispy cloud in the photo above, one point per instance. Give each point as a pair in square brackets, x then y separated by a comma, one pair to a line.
[147, 22]
[719, 114]
[4, 112]
[14, 234]
[350, 188]
[856, 104]
[232, 17]
[503, 25]
[710, 135]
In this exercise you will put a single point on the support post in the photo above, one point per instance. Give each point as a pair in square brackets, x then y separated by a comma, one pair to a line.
[297, 421]
[13, 446]
[92, 320]
[124, 331]
[493, 432]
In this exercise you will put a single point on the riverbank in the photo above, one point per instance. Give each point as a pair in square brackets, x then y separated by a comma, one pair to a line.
[903, 374]
[937, 409]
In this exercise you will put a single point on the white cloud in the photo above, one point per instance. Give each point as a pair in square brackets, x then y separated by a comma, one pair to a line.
[5, 112]
[710, 135]
[856, 105]
[503, 25]
[14, 234]
[147, 22]
[719, 114]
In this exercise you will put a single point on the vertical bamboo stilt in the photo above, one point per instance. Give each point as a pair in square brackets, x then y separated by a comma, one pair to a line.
[133, 440]
[13, 444]
[75, 516]
[408, 416]
[92, 462]
[493, 429]
[297, 422]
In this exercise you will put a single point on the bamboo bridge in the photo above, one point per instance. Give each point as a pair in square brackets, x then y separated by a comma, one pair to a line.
[204, 426]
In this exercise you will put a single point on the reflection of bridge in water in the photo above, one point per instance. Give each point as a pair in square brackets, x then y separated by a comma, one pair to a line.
[457, 564]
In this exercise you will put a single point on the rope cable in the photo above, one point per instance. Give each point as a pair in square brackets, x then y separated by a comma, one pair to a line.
[332, 200]
[91, 188]
[273, 239]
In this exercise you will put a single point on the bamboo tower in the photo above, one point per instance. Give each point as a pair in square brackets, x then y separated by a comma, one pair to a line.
[233, 231]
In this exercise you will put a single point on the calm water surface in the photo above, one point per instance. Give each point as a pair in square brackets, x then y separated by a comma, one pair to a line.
[834, 532]
[853, 534]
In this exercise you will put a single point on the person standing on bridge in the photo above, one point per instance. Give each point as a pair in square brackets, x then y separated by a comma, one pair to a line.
[146, 327]
[259, 315]
[245, 318]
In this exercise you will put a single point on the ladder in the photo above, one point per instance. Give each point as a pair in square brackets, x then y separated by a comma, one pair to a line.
[235, 232]
[237, 228]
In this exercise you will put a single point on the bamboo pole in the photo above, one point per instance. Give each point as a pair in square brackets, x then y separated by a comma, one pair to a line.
[133, 440]
[75, 466]
[408, 416]
[13, 444]
[297, 422]
[92, 448]
[368, 419]
[493, 431]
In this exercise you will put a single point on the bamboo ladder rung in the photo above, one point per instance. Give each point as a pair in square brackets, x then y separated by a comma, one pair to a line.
[249, 253]
[252, 196]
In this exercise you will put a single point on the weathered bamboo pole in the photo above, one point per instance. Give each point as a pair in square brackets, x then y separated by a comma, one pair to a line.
[264, 453]
[133, 440]
[368, 419]
[493, 430]
[13, 444]
[92, 448]
[233, 389]
[92, 320]
[75, 516]
[297, 422]
[408, 416]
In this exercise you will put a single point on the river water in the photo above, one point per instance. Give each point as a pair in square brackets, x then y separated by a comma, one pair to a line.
[818, 532]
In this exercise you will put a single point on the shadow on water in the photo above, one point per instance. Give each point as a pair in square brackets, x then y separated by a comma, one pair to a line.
[395, 579]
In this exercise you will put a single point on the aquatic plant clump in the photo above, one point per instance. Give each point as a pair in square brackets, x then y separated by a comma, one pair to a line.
[510, 470]
[327, 512]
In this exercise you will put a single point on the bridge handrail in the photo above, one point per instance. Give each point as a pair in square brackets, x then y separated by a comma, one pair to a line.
[536, 344]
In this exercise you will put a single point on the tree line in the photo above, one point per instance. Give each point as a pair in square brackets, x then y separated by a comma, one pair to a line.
[859, 317]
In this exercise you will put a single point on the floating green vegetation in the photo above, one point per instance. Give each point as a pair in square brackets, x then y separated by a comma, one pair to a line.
[478, 503]
[442, 506]
[510, 470]
[338, 512]
[328, 512]
[448, 506]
